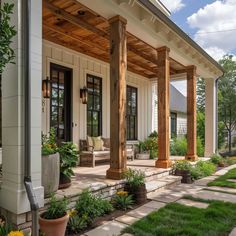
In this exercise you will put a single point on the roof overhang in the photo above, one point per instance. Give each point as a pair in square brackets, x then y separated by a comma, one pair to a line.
[151, 25]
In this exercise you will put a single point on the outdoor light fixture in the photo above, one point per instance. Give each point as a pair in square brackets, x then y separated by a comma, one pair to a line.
[46, 88]
[84, 95]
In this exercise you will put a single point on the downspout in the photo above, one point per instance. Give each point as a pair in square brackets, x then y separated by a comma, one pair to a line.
[26, 13]
[216, 134]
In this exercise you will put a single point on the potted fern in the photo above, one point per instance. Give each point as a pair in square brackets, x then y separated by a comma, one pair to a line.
[50, 163]
[54, 220]
[68, 160]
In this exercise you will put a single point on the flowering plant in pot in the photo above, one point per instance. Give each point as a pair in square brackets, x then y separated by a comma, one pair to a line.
[135, 185]
[54, 220]
[68, 160]
[50, 163]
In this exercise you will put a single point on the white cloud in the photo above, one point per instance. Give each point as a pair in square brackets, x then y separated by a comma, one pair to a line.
[173, 5]
[216, 24]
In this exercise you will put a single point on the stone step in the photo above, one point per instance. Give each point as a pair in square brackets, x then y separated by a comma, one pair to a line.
[162, 183]
[155, 175]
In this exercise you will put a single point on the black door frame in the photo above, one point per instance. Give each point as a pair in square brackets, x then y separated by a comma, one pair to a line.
[68, 99]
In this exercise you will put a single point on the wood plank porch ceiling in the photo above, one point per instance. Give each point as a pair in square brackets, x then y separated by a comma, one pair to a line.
[70, 24]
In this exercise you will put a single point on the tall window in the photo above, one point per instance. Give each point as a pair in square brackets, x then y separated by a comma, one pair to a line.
[94, 106]
[131, 113]
[173, 117]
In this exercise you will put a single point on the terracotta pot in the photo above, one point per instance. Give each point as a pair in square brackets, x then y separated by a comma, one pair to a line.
[139, 193]
[55, 227]
[65, 182]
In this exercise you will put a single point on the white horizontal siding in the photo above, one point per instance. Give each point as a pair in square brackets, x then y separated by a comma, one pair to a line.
[81, 65]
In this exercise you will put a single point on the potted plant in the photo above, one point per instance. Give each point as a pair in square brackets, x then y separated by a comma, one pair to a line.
[68, 160]
[50, 163]
[183, 168]
[135, 185]
[54, 220]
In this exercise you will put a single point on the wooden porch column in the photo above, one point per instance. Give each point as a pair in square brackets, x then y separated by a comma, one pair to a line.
[118, 68]
[163, 81]
[191, 114]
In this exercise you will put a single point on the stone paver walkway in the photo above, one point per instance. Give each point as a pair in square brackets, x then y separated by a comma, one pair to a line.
[173, 194]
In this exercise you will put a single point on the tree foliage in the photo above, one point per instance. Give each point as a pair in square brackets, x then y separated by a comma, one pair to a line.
[7, 32]
[227, 96]
[201, 95]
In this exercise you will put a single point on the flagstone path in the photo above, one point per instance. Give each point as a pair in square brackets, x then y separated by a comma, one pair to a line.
[173, 194]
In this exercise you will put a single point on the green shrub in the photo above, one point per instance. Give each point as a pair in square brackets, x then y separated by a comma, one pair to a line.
[123, 201]
[203, 169]
[178, 147]
[200, 147]
[154, 134]
[216, 159]
[134, 177]
[91, 206]
[57, 208]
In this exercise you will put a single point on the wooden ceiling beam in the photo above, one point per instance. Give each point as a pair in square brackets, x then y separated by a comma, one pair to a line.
[64, 32]
[80, 23]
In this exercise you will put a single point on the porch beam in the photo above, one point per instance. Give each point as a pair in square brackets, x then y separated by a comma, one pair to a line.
[163, 81]
[81, 23]
[118, 69]
[191, 114]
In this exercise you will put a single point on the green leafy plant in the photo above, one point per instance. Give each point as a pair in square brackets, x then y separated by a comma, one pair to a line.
[154, 134]
[203, 169]
[216, 159]
[68, 158]
[91, 206]
[7, 32]
[49, 145]
[76, 223]
[57, 208]
[182, 165]
[178, 147]
[123, 201]
[134, 177]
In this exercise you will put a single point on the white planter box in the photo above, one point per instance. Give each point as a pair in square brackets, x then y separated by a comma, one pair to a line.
[143, 156]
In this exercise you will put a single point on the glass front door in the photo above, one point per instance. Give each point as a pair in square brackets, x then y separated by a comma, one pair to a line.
[60, 109]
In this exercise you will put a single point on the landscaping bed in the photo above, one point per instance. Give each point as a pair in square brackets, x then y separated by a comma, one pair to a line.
[218, 219]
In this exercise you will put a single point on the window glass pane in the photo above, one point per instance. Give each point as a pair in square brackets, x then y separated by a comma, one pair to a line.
[94, 106]
[97, 103]
[54, 74]
[131, 113]
[61, 97]
[54, 93]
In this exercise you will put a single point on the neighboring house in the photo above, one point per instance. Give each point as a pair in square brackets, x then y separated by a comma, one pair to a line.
[114, 50]
[178, 112]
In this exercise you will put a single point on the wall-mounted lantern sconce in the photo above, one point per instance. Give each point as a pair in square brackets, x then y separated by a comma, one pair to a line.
[84, 95]
[46, 88]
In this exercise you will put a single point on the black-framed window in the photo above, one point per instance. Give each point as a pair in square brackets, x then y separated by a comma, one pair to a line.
[94, 106]
[132, 113]
[173, 124]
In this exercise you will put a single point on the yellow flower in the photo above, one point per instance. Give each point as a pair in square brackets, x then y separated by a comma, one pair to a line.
[72, 213]
[16, 233]
[122, 193]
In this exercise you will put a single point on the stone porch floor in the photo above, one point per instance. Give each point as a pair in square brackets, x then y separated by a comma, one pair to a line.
[95, 178]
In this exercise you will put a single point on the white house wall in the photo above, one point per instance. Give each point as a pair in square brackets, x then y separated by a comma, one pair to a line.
[81, 65]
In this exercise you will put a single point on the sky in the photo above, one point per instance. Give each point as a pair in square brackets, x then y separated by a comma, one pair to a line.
[211, 23]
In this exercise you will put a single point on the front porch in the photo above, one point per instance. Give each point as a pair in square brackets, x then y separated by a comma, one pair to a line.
[94, 179]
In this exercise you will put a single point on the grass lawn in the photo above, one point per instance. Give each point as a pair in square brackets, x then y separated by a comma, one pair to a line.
[223, 181]
[178, 220]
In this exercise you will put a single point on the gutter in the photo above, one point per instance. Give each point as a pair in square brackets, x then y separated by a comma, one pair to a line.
[154, 10]
[26, 13]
